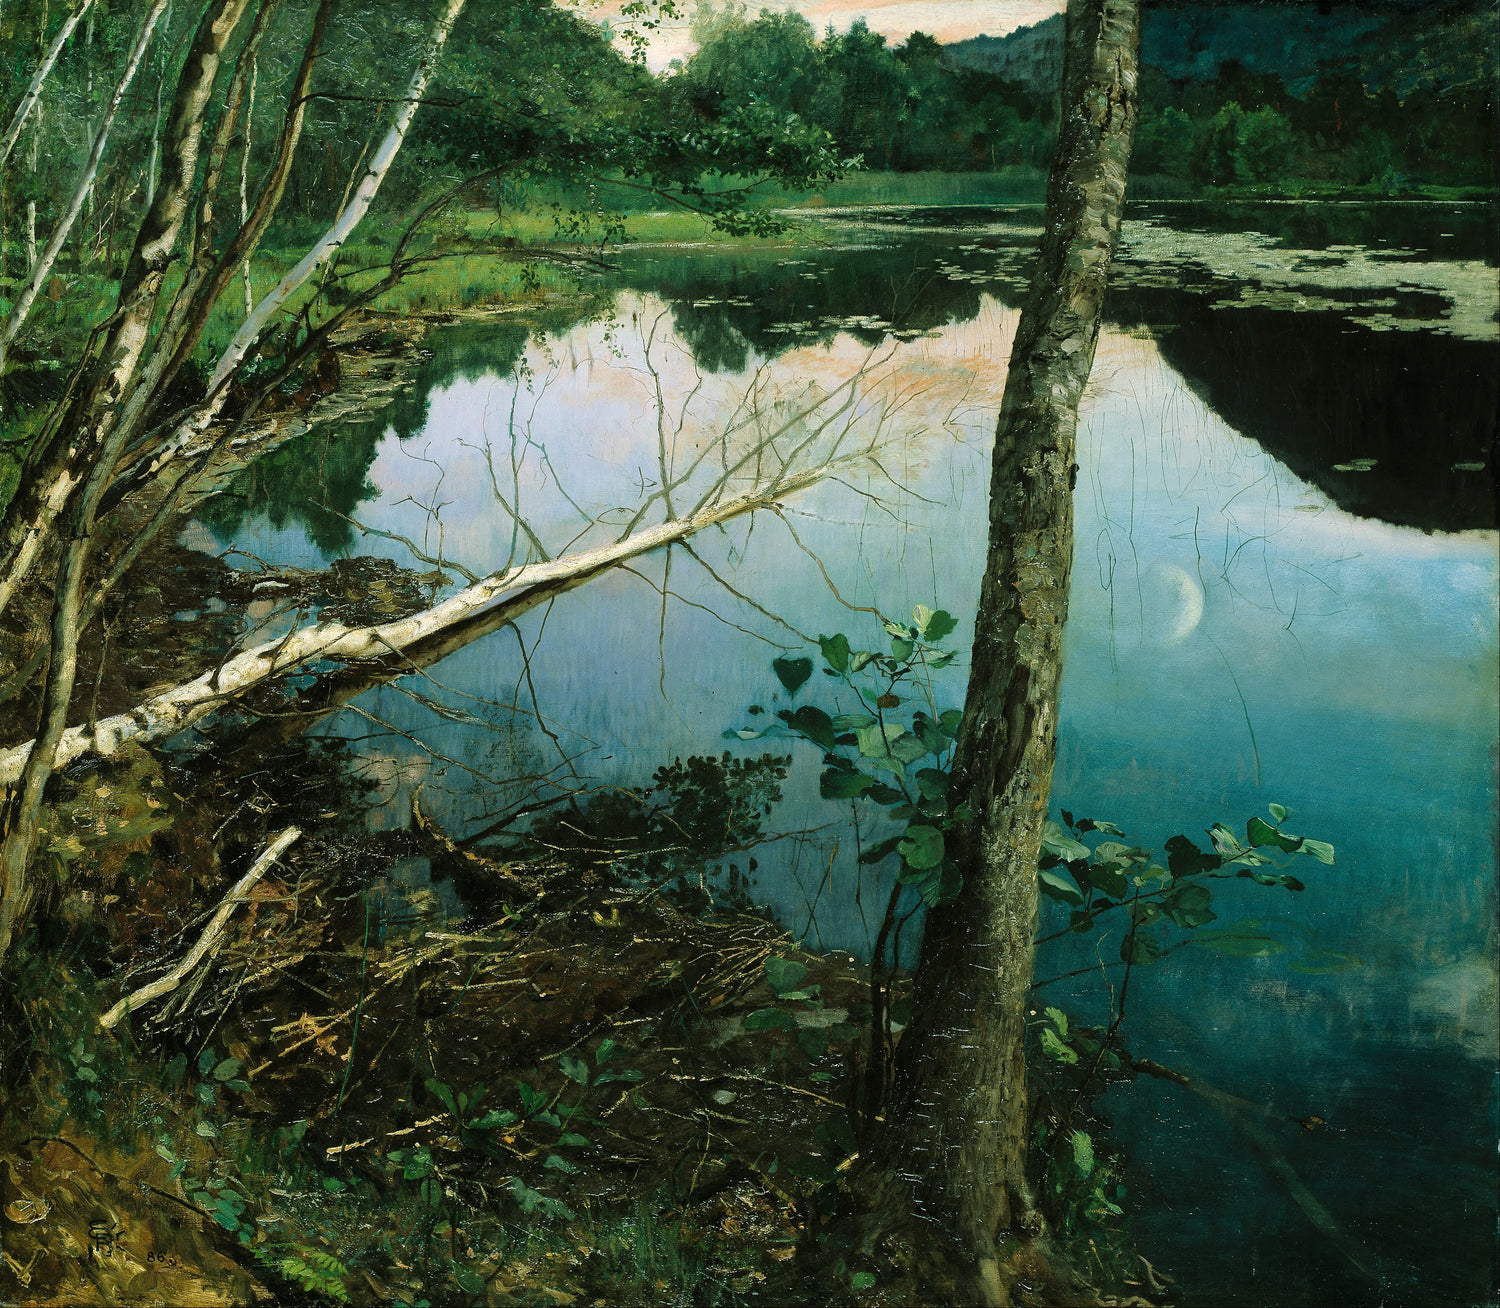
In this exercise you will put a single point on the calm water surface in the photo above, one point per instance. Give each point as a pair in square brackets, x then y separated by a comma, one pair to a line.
[1284, 590]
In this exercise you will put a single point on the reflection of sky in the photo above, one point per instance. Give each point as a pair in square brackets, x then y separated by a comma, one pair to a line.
[1234, 639]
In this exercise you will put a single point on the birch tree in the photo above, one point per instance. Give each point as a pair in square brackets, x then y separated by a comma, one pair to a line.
[955, 1130]
[85, 467]
[41, 266]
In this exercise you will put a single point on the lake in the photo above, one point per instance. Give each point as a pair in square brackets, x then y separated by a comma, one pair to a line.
[1284, 591]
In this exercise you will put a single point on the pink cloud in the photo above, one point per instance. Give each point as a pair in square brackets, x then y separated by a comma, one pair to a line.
[948, 20]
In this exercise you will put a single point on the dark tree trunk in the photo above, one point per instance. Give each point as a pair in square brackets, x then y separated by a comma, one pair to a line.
[956, 1125]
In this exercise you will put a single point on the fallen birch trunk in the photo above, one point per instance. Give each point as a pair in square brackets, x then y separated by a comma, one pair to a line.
[182, 706]
[211, 933]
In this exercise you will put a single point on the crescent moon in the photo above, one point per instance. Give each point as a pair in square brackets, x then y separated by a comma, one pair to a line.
[1189, 603]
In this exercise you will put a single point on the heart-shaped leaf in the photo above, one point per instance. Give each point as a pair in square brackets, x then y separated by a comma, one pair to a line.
[792, 673]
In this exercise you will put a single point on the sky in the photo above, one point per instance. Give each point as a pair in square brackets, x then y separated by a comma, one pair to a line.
[948, 20]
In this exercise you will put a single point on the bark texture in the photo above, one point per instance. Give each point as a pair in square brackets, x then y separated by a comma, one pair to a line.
[62, 456]
[77, 455]
[957, 1121]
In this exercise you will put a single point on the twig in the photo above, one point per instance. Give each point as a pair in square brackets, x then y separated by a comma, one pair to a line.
[164, 985]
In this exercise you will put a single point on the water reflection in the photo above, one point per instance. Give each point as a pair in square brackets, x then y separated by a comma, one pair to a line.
[1237, 636]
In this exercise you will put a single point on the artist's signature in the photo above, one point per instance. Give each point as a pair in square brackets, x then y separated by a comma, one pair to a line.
[104, 1242]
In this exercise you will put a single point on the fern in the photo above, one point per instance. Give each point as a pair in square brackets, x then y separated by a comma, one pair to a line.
[315, 1270]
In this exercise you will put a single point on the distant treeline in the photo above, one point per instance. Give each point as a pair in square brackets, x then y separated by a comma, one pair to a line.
[921, 106]
[1248, 127]
[905, 108]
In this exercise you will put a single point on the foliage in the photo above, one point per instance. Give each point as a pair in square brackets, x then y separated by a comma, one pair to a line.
[869, 755]
[905, 107]
[1114, 876]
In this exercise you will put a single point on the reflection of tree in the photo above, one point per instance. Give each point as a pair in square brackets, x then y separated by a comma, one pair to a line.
[328, 468]
[693, 814]
[729, 304]
[468, 351]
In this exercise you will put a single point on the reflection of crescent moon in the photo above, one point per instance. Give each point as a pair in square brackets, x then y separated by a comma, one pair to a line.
[1189, 607]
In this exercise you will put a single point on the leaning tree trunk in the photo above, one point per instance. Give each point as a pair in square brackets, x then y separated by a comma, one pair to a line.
[957, 1121]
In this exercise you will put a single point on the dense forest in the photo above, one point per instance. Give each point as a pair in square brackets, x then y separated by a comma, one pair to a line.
[1322, 115]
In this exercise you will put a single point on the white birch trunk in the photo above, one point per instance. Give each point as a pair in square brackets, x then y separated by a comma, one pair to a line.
[349, 218]
[42, 266]
[182, 706]
[244, 184]
[34, 90]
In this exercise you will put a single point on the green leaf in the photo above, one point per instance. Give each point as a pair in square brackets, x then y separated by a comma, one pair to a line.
[1188, 906]
[1240, 944]
[933, 783]
[835, 651]
[837, 783]
[939, 626]
[813, 1041]
[1058, 842]
[228, 1069]
[496, 1117]
[1273, 879]
[1059, 1019]
[469, 1281]
[1278, 812]
[1110, 878]
[572, 1141]
[1083, 1152]
[333, 1185]
[574, 1069]
[1140, 947]
[909, 748]
[922, 847]
[624, 1074]
[1260, 832]
[1056, 887]
[243, 1087]
[444, 1094]
[814, 724]
[560, 1164]
[949, 722]
[920, 616]
[875, 740]
[1225, 841]
[792, 673]
[930, 736]
[887, 795]
[1185, 859]
[607, 1050]
[1055, 1049]
[226, 1216]
[883, 850]
[783, 974]
[861, 659]
[207, 1129]
[862, 1281]
[929, 885]
[901, 648]
[852, 721]
[1319, 849]
[770, 1019]
[206, 1061]
[528, 1199]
